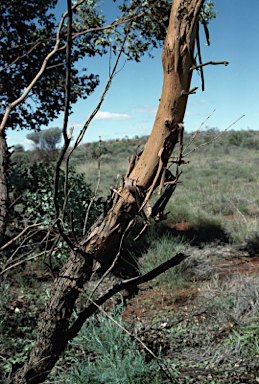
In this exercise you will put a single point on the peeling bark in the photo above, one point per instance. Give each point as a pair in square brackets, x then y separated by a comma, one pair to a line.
[101, 244]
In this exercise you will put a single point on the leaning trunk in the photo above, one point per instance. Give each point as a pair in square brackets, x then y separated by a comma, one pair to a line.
[99, 248]
[4, 156]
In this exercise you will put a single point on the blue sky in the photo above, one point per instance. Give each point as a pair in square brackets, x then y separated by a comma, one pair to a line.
[131, 103]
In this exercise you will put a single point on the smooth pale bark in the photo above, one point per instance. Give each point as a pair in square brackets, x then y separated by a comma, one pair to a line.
[102, 244]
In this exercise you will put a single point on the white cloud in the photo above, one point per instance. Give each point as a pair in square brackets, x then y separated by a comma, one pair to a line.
[74, 123]
[199, 102]
[195, 114]
[150, 109]
[142, 129]
[26, 143]
[111, 116]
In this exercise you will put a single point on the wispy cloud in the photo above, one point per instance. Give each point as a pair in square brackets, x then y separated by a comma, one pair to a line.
[149, 109]
[142, 129]
[26, 143]
[111, 116]
[74, 123]
[194, 114]
[198, 103]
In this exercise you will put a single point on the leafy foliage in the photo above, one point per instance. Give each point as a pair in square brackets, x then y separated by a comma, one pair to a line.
[208, 12]
[34, 185]
[27, 36]
[247, 338]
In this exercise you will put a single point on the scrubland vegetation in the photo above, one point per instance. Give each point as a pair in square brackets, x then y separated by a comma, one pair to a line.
[200, 318]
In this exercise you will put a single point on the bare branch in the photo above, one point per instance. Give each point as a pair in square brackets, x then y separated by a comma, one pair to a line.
[97, 187]
[87, 312]
[215, 138]
[195, 134]
[83, 130]
[199, 56]
[209, 63]
[64, 129]
[26, 53]
[21, 262]
[26, 228]
[114, 261]
[9, 261]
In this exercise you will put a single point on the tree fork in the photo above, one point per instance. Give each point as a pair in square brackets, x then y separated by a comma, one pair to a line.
[99, 246]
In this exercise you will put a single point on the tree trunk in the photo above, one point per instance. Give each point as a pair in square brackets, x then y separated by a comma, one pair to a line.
[101, 245]
[4, 156]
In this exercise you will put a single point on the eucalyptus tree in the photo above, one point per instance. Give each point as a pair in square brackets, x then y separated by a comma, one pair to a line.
[99, 250]
[45, 142]
[33, 56]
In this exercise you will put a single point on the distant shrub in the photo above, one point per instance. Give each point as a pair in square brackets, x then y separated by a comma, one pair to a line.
[20, 156]
[236, 137]
[250, 142]
[18, 148]
[107, 158]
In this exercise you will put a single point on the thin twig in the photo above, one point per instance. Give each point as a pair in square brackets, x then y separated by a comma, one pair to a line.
[114, 261]
[72, 225]
[22, 261]
[65, 202]
[21, 233]
[97, 187]
[77, 142]
[83, 130]
[119, 21]
[215, 138]
[67, 138]
[28, 253]
[15, 201]
[195, 134]
[49, 264]
[238, 211]
[26, 53]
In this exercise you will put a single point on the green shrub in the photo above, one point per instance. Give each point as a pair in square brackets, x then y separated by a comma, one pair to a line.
[109, 355]
[250, 142]
[34, 184]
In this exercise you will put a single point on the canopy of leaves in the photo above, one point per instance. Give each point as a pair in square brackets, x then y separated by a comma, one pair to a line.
[28, 34]
[26, 37]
